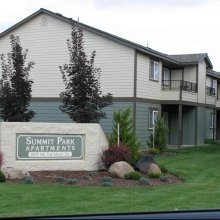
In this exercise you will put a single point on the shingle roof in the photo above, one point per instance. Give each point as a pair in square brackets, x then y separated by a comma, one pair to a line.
[213, 73]
[192, 58]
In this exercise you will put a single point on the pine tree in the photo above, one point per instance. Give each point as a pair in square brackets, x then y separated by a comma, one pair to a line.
[127, 135]
[160, 135]
[82, 99]
[15, 91]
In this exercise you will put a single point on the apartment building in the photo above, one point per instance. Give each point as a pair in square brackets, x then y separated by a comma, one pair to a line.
[184, 88]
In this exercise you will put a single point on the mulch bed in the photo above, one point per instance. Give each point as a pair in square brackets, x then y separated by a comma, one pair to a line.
[89, 178]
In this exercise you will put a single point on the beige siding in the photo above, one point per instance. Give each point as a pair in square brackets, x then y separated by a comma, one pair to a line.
[170, 95]
[176, 75]
[116, 62]
[218, 103]
[48, 49]
[189, 96]
[201, 82]
[190, 74]
[211, 100]
[147, 88]
[208, 81]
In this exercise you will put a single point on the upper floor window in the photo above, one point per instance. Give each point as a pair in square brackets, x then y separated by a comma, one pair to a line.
[154, 70]
[213, 86]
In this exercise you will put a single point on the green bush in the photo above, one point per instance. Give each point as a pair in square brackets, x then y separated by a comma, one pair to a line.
[154, 151]
[28, 179]
[107, 184]
[127, 133]
[2, 177]
[160, 135]
[154, 175]
[163, 169]
[144, 181]
[107, 179]
[72, 181]
[132, 176]
[163, 179]
[60, 179]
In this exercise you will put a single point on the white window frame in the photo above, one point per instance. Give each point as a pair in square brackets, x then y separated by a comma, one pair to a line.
[154, 70]
[153, 113]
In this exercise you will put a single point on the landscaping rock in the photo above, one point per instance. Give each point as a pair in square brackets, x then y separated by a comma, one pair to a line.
[154, 168]
[144, 162]
[13, 173]
[119, 169]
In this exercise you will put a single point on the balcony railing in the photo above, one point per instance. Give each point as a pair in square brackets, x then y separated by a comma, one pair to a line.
[210, 91]
[177, 84]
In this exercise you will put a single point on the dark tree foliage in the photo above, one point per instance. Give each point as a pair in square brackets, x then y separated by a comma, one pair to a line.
[15, 91]
[82, 99]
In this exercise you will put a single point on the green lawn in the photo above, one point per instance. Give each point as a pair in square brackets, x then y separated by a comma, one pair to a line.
[200, 166]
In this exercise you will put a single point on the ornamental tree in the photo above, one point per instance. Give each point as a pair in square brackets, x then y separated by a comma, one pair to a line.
[127, 135]
[15, 90]
[82, 99]
[159, 140]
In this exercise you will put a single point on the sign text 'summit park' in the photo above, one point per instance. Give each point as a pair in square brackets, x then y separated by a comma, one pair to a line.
[44, 146]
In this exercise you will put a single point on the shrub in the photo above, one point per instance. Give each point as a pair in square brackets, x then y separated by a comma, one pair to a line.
[132, 176]
[154, 175]
[153, 151]
[127, 133]
[107, 184]
[144, 181]
[72, 181]
[163, 179]
[60, 179]
[160, 135]
[114, 154]
[28, 179]
[2, 177]
[163, 169]
[1, 159]
[107, 179]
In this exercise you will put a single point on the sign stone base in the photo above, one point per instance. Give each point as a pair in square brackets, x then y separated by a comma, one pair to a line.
[52, 146]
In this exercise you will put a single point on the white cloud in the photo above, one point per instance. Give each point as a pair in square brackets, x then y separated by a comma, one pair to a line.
[168, 26]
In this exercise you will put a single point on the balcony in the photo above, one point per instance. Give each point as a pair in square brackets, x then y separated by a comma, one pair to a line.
[210, 91]
[179, 84]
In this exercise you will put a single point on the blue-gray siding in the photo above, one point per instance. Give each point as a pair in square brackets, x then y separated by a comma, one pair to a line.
[142, 121]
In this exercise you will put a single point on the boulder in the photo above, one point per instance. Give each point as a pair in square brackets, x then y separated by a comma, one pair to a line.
[13, 173]
[154, 168]
[144, 162]
[119, 169]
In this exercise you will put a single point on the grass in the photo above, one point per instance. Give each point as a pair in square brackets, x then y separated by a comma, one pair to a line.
[199, 166]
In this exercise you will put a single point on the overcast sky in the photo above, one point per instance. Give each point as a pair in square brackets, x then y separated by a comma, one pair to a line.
[169, 26]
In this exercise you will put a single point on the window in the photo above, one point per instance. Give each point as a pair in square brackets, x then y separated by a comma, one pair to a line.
[212, 120]
[152, 117]
[154, 70]
[213, 87]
